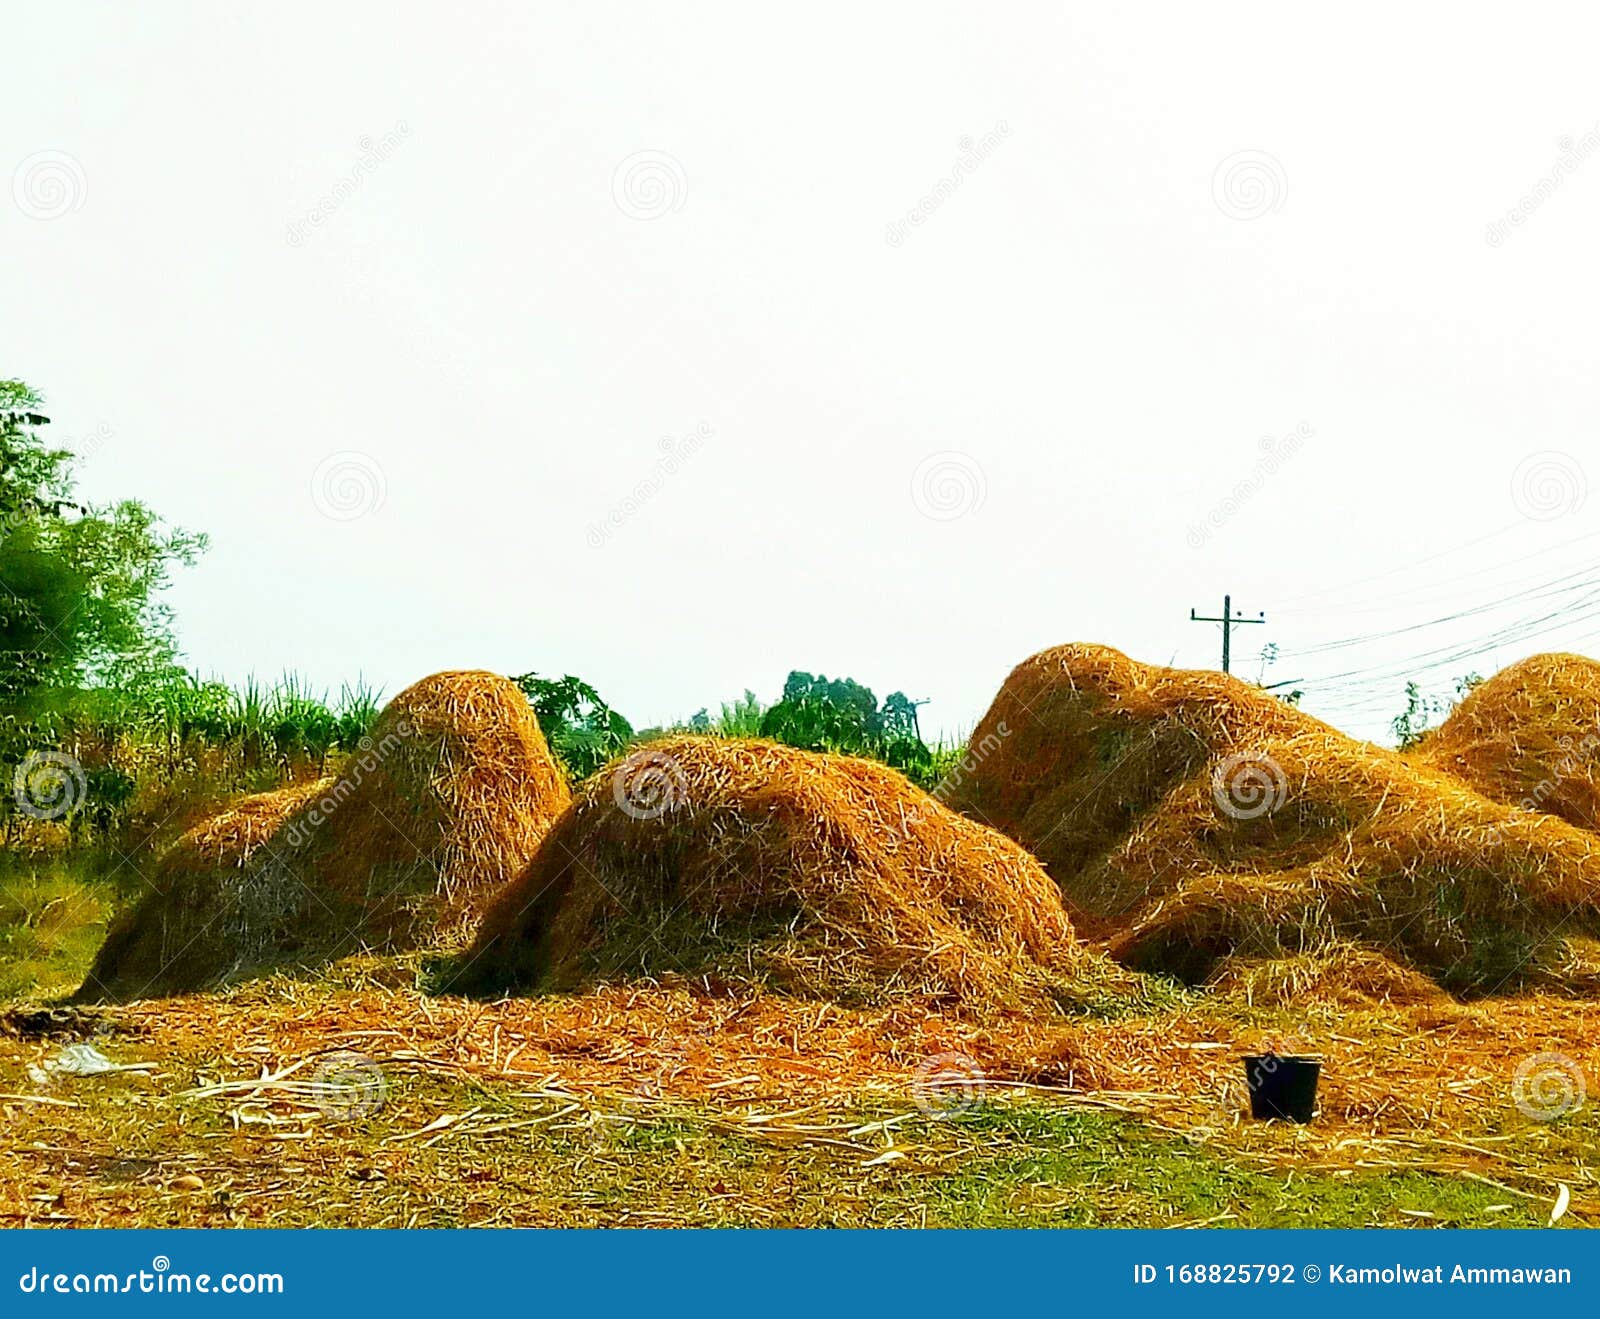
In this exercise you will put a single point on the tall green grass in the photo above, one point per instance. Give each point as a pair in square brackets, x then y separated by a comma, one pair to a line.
[154, 754]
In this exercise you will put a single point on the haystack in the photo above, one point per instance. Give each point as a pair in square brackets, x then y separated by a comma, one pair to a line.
[748, 862]
[1190, 817]
[440, 807]
[1528, 737]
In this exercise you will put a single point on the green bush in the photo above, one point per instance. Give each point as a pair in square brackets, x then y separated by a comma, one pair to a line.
[582, 730]
[840, 715]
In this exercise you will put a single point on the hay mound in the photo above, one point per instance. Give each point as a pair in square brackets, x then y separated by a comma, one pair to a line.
[740, 861]
[1528, 737]
[443, 804]
[1190, 817]
[1342, 974]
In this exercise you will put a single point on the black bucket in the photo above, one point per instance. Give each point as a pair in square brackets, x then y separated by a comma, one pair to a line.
[1282, 1088]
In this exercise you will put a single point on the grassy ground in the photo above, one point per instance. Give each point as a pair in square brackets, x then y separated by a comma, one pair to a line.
[134, 1155]
[667, 1106]
[52, 919]
[662, 1108]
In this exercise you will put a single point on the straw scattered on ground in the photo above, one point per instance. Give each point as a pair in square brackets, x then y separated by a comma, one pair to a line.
[289, 1102]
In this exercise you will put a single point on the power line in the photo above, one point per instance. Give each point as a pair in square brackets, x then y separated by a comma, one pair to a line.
[1359, 682]
[1390, 572]
[1544, 590]
[1432, 589]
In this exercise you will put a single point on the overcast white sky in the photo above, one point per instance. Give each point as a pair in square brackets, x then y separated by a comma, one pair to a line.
[417, 390]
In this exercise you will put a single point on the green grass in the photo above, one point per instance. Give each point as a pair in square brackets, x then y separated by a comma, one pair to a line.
[1032, 1167]
[740, 717]
[1006, 1164]
[52, 919]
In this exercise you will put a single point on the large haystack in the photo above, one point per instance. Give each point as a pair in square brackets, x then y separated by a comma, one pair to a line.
[1528, 737]
[746, 861]
[442, 805]
[1189, 817]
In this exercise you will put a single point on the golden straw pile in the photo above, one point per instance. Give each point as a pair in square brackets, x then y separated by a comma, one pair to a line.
[443, 804]
[722, 861]
[1529, 737]
[1187, 823]
[1192, 819]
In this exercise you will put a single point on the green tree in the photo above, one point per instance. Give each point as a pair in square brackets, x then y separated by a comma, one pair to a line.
[79, 586]
[821, 714]
[1417, 719]
[582, 730]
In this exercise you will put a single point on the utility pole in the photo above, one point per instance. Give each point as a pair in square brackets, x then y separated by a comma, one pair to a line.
[1229, 621]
